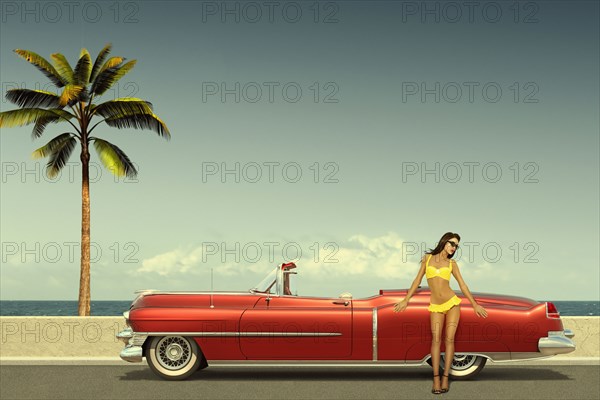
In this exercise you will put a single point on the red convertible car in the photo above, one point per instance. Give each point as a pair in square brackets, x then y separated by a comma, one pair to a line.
[181, 332]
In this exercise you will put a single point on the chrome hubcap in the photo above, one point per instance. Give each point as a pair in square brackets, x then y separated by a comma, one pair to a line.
[173, 352]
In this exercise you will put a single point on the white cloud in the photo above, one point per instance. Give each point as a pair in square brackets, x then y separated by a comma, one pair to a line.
[194, 260]
[380, 257]
[175, 261]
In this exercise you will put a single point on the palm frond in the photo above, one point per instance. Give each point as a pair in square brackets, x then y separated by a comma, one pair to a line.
[112, 62]
[123, 106]
[26, 116]
[52, 146]
[140, 121]
[83, 69]
[59, 157]
[32, 98]
[41, 123]
[99, 62]
[43, 65]
[108, 77]
[113, 158]
[70, 94]
[63, 67]
[40, 126]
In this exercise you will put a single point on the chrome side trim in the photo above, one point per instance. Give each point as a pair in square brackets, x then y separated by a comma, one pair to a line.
[497, 357]
[375, 334]
[311, 363]
[523, 356]
[238, 333]
[491, 356]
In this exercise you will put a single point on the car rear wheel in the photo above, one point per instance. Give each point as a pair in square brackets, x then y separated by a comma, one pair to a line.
[173, 357]
[464, 366]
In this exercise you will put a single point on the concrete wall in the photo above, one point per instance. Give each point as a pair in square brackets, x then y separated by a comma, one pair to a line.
[93, 337]
[60, 336]
[587, 336]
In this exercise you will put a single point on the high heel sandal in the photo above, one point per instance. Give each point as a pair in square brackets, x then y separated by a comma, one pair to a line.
[436, 391]
[444, 390]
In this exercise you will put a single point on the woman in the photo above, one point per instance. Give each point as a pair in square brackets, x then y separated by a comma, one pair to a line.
[438, 266]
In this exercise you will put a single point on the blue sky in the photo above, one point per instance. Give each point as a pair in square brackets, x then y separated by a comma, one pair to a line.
[358, 140]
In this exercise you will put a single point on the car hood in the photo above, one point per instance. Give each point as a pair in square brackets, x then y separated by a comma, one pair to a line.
[158, 298]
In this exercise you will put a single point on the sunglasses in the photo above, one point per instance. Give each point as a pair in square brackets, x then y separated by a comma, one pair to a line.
[455, 245]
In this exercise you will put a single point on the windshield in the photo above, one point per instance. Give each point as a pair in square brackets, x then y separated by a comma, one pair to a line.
[267, 284]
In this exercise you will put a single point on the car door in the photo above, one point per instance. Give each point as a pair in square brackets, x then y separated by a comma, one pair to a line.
[291, 327]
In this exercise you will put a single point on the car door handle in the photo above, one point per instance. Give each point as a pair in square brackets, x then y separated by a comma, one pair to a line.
[342, 302]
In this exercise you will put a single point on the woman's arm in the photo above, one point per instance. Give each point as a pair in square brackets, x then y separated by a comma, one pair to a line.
[480, 311]
[467, 293]
[461, 283]
[402, 304]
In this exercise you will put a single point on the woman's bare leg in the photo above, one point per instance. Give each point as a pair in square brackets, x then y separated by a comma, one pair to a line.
[437, 323]
[452, 317]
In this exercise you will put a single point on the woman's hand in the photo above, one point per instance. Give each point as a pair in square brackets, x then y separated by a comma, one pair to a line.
[480, 311]
[400, 306]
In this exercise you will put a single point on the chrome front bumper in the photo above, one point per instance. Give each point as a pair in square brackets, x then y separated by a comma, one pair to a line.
[133, 351]
[557, 342]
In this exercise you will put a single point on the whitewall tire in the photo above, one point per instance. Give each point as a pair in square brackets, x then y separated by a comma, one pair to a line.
[173, 357]
[464, 366]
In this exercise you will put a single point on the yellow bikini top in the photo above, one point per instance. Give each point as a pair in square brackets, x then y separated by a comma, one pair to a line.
[432, 272]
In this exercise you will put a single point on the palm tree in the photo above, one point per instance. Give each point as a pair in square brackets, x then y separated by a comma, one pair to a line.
[75, 106]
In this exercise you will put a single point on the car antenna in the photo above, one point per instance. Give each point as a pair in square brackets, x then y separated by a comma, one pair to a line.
[211, 289]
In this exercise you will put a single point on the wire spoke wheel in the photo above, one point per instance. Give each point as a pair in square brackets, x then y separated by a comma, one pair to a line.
[174, 357]
[174, 352]
[461, 362]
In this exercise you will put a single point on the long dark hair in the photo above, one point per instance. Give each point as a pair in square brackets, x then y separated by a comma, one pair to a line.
[440, 245]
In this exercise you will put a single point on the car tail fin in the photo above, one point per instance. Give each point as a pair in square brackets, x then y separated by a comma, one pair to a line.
[551, 310]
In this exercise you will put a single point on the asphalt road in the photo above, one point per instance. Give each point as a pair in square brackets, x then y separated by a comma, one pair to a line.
[221, 382]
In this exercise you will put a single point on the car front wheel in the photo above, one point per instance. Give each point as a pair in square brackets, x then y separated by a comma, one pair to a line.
[173, 357]
[464, 366]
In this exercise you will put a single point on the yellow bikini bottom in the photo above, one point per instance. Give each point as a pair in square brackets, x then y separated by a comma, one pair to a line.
[443, 308]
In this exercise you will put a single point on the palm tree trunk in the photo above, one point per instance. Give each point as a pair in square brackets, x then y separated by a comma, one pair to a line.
[84, 278]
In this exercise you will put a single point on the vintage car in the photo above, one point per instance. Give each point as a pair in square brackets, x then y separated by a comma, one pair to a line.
[181, 332]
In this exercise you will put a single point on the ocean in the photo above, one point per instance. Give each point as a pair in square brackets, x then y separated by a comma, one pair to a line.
[116, 308]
